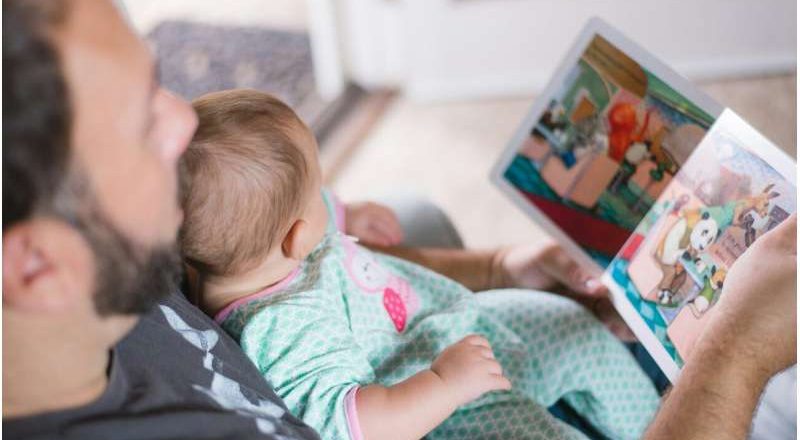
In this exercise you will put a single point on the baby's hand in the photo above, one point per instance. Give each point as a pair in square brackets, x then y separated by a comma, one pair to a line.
[469, 369]
[373, 224]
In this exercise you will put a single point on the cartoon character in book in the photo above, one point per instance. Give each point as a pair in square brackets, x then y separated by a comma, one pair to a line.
[623, 123]
[758, 204]
[711, 288]
[637, 153]
[554, 119]
[693, 233]
[585, 135]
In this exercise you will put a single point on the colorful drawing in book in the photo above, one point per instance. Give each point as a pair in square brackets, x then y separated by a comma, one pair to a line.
[674, 265]
[608, 144]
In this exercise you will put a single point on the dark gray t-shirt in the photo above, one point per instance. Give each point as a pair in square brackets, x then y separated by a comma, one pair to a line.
[175, 376]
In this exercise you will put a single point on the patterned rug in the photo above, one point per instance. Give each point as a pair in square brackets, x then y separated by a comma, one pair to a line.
[196, 58]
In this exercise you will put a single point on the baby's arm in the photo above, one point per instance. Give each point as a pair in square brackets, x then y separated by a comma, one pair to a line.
[412, 408]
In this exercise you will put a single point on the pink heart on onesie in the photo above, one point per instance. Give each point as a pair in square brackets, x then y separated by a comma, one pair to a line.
[396, 309]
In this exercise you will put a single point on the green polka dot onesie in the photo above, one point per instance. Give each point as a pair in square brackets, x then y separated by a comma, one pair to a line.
[349, 317]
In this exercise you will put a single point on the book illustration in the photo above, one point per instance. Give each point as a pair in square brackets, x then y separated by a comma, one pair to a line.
[610, 141]
[696, 230]
[674, 265]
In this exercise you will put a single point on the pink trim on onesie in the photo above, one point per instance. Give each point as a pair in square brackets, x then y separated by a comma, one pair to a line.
[352, 414]
[223, 314]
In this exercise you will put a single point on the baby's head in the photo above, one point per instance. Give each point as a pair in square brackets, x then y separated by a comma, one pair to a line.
[250, 183]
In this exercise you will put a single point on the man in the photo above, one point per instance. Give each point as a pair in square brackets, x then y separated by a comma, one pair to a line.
[91, 144]
[96, 343]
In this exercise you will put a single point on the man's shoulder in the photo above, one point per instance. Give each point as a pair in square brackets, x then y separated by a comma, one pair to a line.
[176, 375]
[177, 339]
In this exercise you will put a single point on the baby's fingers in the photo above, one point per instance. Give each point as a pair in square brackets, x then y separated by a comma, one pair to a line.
[477, 340]
[484, 352]
[492, 367]
[499, 382]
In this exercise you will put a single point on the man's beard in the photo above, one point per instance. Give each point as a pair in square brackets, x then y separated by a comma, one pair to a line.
[129, 278]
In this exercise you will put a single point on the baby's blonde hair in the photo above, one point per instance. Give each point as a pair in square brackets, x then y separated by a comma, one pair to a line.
[243, 180]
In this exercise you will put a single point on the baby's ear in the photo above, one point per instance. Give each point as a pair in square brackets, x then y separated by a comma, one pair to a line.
[295, 244]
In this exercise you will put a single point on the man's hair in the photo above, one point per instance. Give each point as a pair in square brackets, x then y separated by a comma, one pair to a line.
[243, 179]
[36, 110]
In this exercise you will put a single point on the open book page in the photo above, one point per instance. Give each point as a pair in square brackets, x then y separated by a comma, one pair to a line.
[608, 135]
[668, 276]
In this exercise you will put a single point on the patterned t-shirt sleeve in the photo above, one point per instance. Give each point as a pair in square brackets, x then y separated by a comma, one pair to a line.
[306, 350]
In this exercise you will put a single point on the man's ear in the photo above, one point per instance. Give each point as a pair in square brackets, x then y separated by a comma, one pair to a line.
[46, 266]
[295, 245]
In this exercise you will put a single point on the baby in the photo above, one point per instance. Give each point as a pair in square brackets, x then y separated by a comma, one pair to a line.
[365, 345]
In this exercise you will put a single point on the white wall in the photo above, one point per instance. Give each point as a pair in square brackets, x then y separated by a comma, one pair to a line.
[451, 49]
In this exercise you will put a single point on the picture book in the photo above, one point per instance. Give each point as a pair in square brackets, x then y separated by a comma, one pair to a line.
[608, 134]
[648, 182]
[669, 274]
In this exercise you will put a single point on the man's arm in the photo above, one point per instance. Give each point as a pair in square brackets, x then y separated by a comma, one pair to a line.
[714, 398]
[477, 270]
[751, 337]
[543, 267]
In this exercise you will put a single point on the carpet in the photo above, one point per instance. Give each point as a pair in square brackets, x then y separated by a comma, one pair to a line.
[196, 58]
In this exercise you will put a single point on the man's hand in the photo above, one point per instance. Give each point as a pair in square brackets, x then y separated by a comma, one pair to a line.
[373, 224]
[543, 268]
[468, 368]
[758, 305]
[550, 268]
[750, 337]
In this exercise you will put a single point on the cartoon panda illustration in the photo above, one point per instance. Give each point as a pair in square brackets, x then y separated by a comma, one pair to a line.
[694, 232]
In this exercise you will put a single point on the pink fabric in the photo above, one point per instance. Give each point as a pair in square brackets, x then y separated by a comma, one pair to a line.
[340, 213]
[352, 414]
[223, 314]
